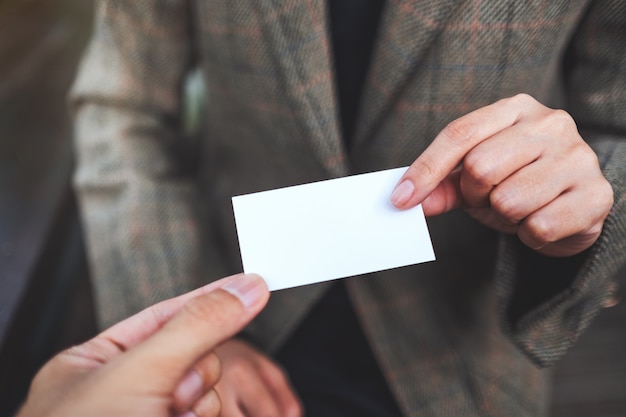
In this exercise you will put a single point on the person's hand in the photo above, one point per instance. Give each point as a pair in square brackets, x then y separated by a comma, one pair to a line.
[252, 384]
[518, 167]
[156, 363]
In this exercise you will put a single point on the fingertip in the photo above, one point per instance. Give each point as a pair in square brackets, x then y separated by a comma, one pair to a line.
[250, 289]
[189, 389]
[253, 276]
[402, 194]
[208, 405]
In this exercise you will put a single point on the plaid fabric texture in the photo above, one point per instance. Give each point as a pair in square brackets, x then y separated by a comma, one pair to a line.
[442, 332]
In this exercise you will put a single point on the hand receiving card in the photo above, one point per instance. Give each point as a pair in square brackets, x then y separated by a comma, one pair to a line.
[329, 229]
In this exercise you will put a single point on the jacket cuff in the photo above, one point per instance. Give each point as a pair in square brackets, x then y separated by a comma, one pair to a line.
[544, 322]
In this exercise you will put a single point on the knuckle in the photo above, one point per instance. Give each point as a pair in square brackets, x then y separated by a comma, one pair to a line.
[603, 196]
[591, 158]
[275, 375]
[239, 370]
[562, 123]
[585, 156]
[541, 230]
[459, 131]
[277, 378]
[294, 409]
[99, 349]
[505, 205]
[561, 117]
[157, 313]
[267, 407]
[523, 99]
[595, 229]
[209, 406]
[607, 194]
[520, 101]
[212, 308]
[212, 369]
[425, 165]
[478, 169]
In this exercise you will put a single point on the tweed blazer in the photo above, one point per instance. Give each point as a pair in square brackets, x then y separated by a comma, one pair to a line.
[465, 335]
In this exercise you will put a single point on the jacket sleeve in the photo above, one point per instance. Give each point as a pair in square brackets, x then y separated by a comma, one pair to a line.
[136, 197]
[545, 302]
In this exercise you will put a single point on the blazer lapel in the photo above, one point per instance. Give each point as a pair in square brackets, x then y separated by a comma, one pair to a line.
[297, 33]
[407, 30]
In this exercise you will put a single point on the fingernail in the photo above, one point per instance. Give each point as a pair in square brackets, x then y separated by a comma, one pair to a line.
[190, 388]
[402, 193]
[248, 289]
[188, 414]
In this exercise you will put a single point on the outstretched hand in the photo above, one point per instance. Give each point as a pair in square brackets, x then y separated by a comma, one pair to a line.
[517, 167]
[159, 362]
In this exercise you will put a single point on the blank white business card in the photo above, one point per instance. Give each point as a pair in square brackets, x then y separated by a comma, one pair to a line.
[329, 229]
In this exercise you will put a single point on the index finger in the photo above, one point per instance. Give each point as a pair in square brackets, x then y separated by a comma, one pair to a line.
[451, 145]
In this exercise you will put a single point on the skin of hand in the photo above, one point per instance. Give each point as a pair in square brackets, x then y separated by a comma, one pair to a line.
[160, 362]
[252, 385]
[516, 166]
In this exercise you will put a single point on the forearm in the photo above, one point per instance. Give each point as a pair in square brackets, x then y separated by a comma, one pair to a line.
[140, 216]
[137, 203]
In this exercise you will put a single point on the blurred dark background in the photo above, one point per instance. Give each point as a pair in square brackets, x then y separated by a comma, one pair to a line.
[45, 295]
[45, 298]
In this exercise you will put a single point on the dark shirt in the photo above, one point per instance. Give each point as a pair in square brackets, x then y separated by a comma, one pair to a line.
[328, 358]
[331, 366]
[353, 27]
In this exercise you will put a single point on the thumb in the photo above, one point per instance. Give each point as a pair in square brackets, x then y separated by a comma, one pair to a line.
[202, 323]
[445, 197]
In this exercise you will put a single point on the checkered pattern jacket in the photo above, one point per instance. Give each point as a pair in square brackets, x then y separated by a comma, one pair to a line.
[466, 335]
